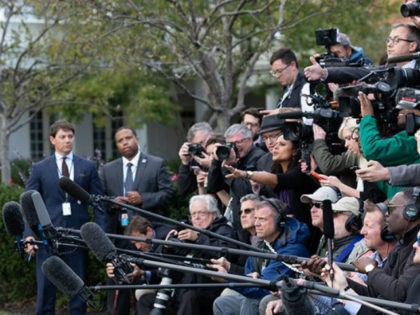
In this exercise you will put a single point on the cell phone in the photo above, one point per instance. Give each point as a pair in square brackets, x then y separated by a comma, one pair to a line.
[316, 175]
[354, 168]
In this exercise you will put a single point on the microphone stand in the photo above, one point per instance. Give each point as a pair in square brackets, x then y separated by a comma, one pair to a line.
[175, 222]
[255, 252]
[175, 286]
[275, 285]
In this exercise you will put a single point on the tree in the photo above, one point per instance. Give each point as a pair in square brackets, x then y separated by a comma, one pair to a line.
[217, 42]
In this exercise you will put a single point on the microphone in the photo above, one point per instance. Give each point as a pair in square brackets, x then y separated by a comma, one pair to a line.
[29, 212]
[327, 215]
[403, 58]
[78, 193]
[103, 249]
[66, 280]
[13, 222]
[50, 234]
[295, 299]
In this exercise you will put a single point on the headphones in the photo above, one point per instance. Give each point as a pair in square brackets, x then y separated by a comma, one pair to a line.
[412, 211]
[354, 223]
[280, 222]
[386, 236]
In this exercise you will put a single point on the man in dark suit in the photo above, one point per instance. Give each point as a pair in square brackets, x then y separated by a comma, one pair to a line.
[63, 209]
[137, 179]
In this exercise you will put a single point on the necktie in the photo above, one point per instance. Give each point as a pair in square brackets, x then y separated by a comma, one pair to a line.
[64, 168]
[128, 184]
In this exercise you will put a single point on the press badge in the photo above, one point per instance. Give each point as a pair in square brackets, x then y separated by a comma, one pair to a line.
[66, 208]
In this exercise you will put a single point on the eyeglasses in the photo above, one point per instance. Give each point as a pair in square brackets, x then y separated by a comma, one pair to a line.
[240, 142]
[276, 72]
[246, 211]
[393, 207]
[317, 204]
[272, 137]
[395, 41]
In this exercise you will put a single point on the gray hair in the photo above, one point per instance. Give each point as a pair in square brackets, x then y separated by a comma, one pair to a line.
[200, 126]
[252, 197]
[209, 200]
[238, 128]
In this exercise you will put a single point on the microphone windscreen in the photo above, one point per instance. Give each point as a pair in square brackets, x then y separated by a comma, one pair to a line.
[62, 276]
[327, 215]
[96, 239]
[28, 209]
[41, 209]
[13, 219]
[74, 190]
[295, 299]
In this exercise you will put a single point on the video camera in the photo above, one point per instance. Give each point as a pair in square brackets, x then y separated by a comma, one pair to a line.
[390, 87]
[410, 9]
[327, 38]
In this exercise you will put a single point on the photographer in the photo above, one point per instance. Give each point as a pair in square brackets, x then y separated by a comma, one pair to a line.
[344, 49]
[191, 154]
[402, 40]
[244, 155]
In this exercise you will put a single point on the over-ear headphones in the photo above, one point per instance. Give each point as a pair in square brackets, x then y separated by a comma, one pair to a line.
[386, 236]
[277, 204]
[354, 223]
[411, 211]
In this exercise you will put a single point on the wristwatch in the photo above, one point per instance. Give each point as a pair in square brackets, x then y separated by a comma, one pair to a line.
[369, 268]
[249, 174]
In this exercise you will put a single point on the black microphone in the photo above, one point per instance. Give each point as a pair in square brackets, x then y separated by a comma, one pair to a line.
[50, 234]
[66, 280]
[13, 222]
[295, 299]
[105, 251]
[29, 212]
[327, 215]
[402, 58]
[78, 193]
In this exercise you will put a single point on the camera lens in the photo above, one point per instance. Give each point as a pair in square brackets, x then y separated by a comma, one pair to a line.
[222, 152]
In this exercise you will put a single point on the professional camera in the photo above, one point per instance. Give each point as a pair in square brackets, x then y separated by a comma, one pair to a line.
[223, 151]
[327, 38]
[196, 149]
[407, 98]
[410, 9]
[122, 267]
[181, 251]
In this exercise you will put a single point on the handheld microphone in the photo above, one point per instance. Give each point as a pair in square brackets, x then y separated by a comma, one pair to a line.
[13, 222]
[78, 193]
[29, 212]
[66, 280]
[105, 251]
[327, 215]
[50, 233]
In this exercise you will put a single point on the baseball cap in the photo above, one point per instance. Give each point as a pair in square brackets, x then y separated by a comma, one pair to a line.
[343, 39]
[322, 193]
[347, 204]
[270, 123]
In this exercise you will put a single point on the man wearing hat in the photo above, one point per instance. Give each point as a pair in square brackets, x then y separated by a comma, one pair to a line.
[344, 49]
[346, 212]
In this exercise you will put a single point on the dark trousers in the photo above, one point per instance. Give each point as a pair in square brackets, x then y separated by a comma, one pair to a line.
[46, 291]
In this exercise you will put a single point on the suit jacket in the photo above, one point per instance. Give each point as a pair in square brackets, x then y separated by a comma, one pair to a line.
[44, 178]
[293, 99]
[152, 182]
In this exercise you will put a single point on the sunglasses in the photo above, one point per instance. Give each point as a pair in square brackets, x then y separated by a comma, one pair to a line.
[247, 210]
[317, 204]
